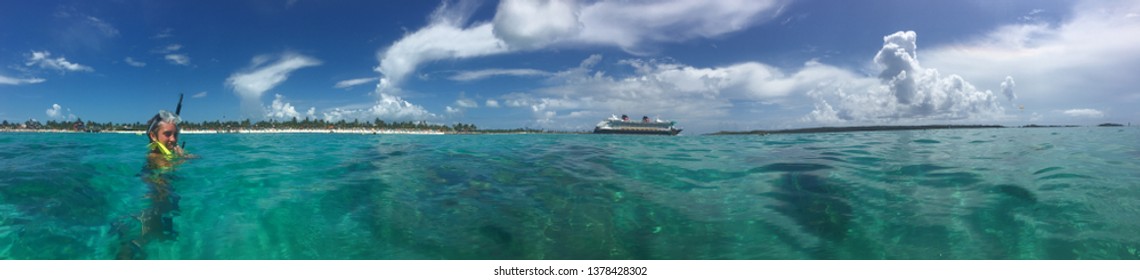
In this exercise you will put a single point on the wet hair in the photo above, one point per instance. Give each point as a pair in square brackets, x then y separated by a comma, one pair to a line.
[163, 116]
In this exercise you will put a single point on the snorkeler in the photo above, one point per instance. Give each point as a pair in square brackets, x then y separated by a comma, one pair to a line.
[156, 221]
[163, 132]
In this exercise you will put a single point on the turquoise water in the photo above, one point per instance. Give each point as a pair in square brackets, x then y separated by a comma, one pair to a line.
[1044, 193]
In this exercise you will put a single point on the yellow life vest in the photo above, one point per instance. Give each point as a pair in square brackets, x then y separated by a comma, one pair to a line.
[162, 148]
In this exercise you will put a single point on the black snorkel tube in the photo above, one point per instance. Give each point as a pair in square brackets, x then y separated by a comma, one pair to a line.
[178, 112]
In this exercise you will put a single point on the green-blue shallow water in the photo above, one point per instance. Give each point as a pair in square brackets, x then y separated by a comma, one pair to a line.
[1045, 193]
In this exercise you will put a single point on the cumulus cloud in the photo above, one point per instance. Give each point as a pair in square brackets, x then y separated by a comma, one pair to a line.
[534, 24]
[5, 80]
[132, 62]
[451, 110]
[266, 72]
[1007, 88]
[281, 110]
[44, 60]
[57, 112]
[907, 90]
[199, 95]
[517, 99]
[486, 73]
[466, 103]
[491, 103]
[1084, 113]
[354, 82]
[178, 59]
[388, 107]
[1082, 61]
[526, 25]
[396, 108]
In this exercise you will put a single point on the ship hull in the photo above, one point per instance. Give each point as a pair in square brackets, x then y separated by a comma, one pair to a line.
[670, 132]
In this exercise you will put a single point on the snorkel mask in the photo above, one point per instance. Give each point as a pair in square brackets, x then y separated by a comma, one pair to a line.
[163, 116]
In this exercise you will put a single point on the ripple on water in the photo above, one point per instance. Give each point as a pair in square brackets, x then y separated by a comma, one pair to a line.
[867, 161]
[1047, 169]
[1065, 176]
[920, 169]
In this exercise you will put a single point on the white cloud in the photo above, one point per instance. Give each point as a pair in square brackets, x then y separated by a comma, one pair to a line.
[525, 25]
[491, 103]
[534, 24]
[1084, 113]
[908, 91]
[388, 107]
[179, 59]
[1084, 61]
[261, 75]
[55, 111]
[823, 113]
[627, 24]
[199, 95]
[132, 62]
[1007, 88]
[103, 27]
[44, 60]
[281, 110]
[440, 40]
[169, 48]
[517, 99]
[486, 73]
[5, 80]
[396, 108]
[354, 82]
[466, 103]
[453, 110]
[312, 112]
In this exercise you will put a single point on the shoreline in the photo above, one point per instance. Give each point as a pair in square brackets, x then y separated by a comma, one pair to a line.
[853, 129]
[259, 131]
[889, 128]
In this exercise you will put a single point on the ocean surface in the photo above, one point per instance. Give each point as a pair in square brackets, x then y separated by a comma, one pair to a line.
[1012, 193]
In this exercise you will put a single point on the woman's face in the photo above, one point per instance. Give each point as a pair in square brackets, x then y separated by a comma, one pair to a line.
[167, 134]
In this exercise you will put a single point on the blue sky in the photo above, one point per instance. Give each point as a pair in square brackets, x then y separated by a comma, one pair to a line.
[710, 65]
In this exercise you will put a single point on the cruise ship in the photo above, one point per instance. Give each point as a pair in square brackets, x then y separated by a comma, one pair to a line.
[624, 125]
